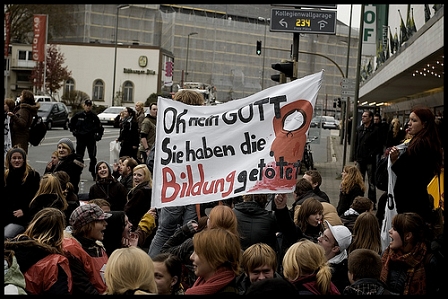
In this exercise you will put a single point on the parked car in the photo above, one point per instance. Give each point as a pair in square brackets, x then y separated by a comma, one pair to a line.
[329, 122]
[316, 121]
[110, 114]
[54, 114]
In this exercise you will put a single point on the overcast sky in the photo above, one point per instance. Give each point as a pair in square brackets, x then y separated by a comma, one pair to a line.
[343, 14]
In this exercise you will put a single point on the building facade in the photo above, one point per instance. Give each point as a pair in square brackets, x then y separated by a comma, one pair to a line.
[216, 44]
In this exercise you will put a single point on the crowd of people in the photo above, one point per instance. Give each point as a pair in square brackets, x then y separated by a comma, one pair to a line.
[112, 241]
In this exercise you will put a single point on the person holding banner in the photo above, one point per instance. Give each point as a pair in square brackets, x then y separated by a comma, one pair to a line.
[172, 217]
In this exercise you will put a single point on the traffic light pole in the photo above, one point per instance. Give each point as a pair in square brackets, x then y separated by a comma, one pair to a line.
[295, 54]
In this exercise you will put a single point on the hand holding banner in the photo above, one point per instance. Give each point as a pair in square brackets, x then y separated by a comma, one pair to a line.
[246, 146]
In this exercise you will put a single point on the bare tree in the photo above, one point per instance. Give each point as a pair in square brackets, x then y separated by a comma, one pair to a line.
[60, 20]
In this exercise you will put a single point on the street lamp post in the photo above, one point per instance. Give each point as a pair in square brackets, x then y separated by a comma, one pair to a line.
[266, 21]
[120, 6]
[188, 49]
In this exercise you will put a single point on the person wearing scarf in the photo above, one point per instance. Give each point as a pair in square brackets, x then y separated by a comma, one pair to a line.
[216, 260]
[408, 266]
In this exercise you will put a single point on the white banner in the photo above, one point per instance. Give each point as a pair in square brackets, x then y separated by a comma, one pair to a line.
[245, 146]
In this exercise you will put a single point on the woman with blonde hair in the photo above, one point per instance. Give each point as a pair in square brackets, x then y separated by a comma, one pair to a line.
[366, 233]
[216, 261]
[396, 134]
[49, 194]
[139, 197]
[352, 185]
[40, 256]
[306, 267]
[130, 271]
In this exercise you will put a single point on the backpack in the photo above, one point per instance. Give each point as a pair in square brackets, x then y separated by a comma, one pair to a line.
[38, 129]
[381, 174]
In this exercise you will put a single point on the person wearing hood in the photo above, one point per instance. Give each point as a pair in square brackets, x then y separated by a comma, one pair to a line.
[255, 223]
[21, 119]
[129, 137]
[68, 162]
[21, 183]
[108, 187]
[13, 279]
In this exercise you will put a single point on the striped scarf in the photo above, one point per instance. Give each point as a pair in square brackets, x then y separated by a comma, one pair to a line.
[416, 276]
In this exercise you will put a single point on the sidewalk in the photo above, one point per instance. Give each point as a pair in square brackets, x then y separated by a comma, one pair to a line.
[331, 170]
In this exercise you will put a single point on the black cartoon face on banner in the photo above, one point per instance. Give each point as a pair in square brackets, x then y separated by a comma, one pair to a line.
[290, 131]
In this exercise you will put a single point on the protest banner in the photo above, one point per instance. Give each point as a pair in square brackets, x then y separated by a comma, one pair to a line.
[245, 146]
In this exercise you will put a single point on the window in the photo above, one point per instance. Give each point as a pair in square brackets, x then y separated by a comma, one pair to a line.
[98, 90]
[128, 90]
[69, 86]
[25, 55]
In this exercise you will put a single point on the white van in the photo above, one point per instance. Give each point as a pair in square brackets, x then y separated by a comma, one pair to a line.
[38, 99]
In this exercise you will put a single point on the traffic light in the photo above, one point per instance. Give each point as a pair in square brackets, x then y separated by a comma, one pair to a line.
[339, 102]
[334, 104]
[258, 47]
[286, 69]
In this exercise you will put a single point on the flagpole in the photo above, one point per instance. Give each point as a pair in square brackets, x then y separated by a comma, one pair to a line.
[45, 53]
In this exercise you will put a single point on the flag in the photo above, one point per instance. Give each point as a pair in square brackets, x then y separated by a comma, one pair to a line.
[253, 145]
[413, 27]
[427, 13]
[436, 188]
[408, 22]
[391, 41]
[403, 32]
[369, 67]
[40, 37]
[7, 33]
[396, 41]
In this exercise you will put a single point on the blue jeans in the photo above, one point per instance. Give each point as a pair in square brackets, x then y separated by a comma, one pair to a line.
[12, 230]
[170, 218]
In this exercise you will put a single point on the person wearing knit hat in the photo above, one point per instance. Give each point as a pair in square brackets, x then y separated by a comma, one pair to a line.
[87, 255]
[108, 187]
[68, 162]
[68, 143]
[21, 183]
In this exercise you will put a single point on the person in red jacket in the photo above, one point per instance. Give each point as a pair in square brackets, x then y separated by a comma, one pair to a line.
[40, 256]
[86, 255]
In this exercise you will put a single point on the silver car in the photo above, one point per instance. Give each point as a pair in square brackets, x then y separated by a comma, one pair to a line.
[329, 122]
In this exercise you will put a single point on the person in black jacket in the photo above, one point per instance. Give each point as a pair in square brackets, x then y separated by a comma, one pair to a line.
[367, 147]
[87, 129]
[68, 162]
[108, 187]
[256, 224]
[129, 137]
